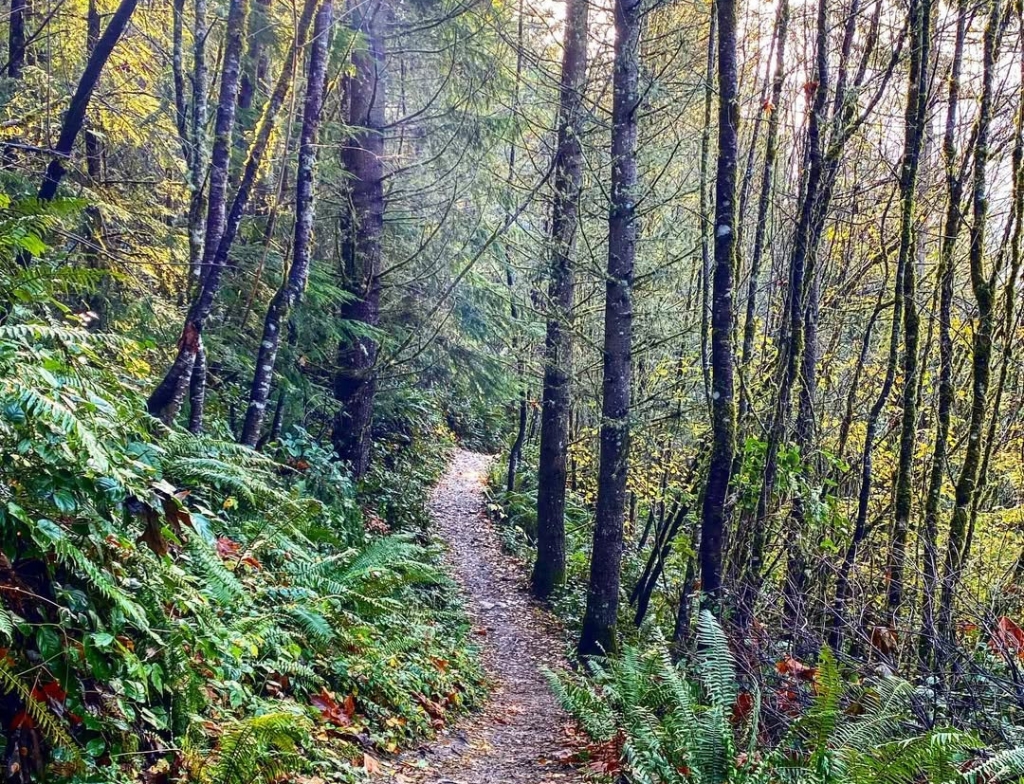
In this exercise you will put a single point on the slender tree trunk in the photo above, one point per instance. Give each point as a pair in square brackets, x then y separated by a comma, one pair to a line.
[93, 145]
[355, 384]
[222, 224]
[254, 66]
[197, 391]
[914, 133]
[983, 289]
[549, 569]
[598, 634]
[295, 282]
[515, 453]
[177, 72]
[16, 38]
[74, 118]
[705, 218]
[765, 196]
[277, 425]
[197, 138]
[790, 357]
[166, 399]
[713, 514]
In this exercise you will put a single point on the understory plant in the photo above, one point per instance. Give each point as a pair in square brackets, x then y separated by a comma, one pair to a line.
[691, 722]
[176, 606]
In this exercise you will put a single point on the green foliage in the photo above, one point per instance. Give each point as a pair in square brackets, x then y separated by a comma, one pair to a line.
[258, 749]
[181, 592]
[681, 724]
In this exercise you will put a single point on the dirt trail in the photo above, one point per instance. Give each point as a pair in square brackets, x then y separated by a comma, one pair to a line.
[517, 738]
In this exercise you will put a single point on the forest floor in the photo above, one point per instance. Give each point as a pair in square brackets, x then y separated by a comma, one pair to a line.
[521, 735]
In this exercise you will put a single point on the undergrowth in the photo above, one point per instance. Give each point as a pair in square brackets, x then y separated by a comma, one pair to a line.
[652, 721]
[176, 606]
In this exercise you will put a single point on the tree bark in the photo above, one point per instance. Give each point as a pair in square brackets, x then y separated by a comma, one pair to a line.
[295, 283]
[983, 288]
[914, 132]
[713, 514]
[765, 196]
[16, 38]
[197, 139]
[549, 568]
[598, 635]
[74, 118]
[355, 384]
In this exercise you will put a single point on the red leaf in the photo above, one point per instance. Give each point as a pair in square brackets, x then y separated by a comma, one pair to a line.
[883, 639]
[742, 708]
[230, 550]
[1007, 639]
[797, 669]
[331, 711]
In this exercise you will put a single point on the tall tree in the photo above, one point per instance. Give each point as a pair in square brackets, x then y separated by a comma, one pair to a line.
[298, 273]
[946, 392]
[723, 407]
[764, 199]
[355, 383]
[983, 288]
[598, 633]
[549, 569]
[914, 134]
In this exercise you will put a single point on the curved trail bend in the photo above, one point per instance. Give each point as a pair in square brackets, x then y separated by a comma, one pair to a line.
[518, 736]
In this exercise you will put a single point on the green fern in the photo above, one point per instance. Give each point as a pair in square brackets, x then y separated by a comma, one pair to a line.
[257, 749]
[51, 727]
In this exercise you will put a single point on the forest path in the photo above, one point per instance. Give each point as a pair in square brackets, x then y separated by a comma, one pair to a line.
[517, 738]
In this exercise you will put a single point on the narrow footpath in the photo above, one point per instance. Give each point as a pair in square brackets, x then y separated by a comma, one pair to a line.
[519, 735]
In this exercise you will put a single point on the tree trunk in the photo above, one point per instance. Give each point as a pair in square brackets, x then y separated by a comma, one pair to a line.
[914, 133]
[355, 384]
[983, 289]
[722, 403]
[295, 282]
[598, 635]
[74, 118]
[16, 38]
[197, 138]
[515, 453]
[197, 391]
[549, 569]
[93, 145]
[767, 175]
[254, 66]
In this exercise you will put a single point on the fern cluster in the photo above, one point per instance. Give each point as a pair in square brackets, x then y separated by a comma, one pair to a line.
[691, 723]
[177, 598]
